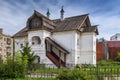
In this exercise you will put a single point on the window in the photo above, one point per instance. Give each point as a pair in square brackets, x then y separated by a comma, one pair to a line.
[8, 49]
[36, 40]
[37, 60]
[8, 41]
[21, 45]
[33, 43]
[36, 23]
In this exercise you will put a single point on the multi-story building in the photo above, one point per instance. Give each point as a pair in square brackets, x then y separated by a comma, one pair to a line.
[61, 41]
[115, 37]
[6, 45]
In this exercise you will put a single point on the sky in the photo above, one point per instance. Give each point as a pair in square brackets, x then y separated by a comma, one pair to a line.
[104, 13]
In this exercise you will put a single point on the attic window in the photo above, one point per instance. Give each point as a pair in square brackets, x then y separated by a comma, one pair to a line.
[36, 22]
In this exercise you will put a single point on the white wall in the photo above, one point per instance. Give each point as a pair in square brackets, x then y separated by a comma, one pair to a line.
[19, 41]
[67, 40]
[87, 52]
[39, 49]
[82, 46]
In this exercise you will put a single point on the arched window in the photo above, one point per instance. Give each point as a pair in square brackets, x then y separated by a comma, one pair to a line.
[37, 60]
[36, 40]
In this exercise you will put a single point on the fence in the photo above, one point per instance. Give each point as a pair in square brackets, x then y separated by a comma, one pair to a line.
[102, 72]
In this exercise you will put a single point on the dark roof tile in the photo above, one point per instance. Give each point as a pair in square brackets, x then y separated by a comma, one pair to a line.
[21, 33]
[70, 23]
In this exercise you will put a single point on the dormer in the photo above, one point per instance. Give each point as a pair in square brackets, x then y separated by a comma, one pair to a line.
[36, 23]
[39, 22]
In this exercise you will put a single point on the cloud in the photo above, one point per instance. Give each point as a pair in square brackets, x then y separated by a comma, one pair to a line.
[108, 25]
[14, 13]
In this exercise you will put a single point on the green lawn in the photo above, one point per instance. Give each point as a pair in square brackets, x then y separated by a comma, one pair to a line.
[30, 79]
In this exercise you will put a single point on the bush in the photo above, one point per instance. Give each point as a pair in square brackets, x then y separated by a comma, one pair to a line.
[118, 57]
[75, 74]
[13, 68]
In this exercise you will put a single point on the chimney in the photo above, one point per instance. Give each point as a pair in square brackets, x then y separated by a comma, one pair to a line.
[48, 13]
[62, 13]
[1, 30]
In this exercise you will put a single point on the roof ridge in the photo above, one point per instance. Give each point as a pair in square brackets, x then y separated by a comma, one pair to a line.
[42, 15]
[77, 16]
[72, 17]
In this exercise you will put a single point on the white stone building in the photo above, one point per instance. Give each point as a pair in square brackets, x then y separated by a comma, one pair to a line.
[115, 37]
[61, 41]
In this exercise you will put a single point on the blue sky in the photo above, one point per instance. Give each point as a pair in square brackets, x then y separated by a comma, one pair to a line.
[105, 13]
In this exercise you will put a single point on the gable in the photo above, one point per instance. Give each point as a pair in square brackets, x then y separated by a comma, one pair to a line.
[35, 23]
[87, 27]
[39, 21]
[86, 23]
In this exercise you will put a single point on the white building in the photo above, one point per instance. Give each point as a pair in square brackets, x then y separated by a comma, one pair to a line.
[61, 41]
[115, 37]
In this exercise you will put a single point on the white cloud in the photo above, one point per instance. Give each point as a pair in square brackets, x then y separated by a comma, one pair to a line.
[13, 17]
[108, 25]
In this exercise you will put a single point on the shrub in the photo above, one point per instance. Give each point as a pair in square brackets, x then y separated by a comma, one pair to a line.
[75, 74]
[13, 68]
[118, 57]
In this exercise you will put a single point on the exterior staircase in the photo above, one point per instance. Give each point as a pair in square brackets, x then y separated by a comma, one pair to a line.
[56, 59]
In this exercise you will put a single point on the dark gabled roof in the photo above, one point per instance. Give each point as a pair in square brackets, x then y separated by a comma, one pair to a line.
[21, 33]
[57, 21]
[71, 23]
[57, 25]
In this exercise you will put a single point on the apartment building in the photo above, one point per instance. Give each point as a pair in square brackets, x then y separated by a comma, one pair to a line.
[6, 45]
[115, 37]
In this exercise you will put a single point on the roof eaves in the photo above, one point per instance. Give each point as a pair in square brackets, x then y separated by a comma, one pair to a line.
[82, 22]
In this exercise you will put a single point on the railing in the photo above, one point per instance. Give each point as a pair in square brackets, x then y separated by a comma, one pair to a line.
[55, 59]
[52, 58]
[102, 72]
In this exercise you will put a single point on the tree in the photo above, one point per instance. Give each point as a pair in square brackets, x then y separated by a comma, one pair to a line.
[27, 53]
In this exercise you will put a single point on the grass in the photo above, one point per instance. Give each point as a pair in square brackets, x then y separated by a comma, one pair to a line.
[102, 68]
[29, 79]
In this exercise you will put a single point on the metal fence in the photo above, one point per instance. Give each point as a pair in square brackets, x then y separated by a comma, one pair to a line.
[102, 72]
